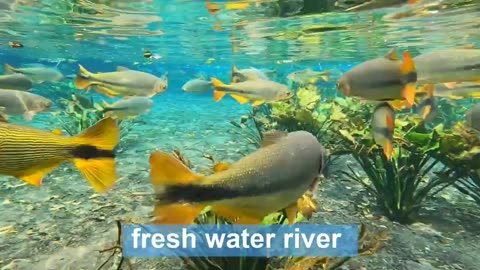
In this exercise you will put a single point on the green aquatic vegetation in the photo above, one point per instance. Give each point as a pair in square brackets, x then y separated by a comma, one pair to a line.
[250, 128]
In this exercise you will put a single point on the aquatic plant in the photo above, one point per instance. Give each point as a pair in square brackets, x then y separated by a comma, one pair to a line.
[250, 128]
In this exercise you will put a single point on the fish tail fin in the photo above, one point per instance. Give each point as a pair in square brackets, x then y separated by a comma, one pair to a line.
[171, 179]
[8, 69]
[82, 80]
[217, 85]
[94, 154]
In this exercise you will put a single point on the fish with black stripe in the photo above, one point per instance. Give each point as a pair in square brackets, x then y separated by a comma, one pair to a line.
[30, 154]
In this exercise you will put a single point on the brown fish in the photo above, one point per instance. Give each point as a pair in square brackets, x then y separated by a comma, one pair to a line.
[268, 180]
[16, 81]
[383, 125]
[382, 79]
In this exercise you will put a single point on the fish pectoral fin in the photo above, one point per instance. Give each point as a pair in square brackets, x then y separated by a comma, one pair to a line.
[408, 93]
[166, 170]
[450, 85]
[237, 216]
[388, 149]
[291, 212]
[179, 213]
[35, 178]
[222, 166]
[240, 99]
[398, 104]
[258, 103]
[28, 116]
[271, 137]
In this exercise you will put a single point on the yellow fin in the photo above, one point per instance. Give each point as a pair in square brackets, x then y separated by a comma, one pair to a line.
[167, 170]
[35, 178]
[98, 165]
[106, 91]
[475, 94]
[408, 93]
[240, 99]
[392, 55]
[272, 136]
[217, 86]
[325, 77]
[460, 97]
[291, 212]
[235, 6]
[258, 103]
[222, 166]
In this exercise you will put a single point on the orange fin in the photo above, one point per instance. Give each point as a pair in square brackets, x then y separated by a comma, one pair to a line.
[35, 178]
[99, 171]
[217, 85]
[388, 149]
[398, 104]
[429, 89]
[325, 78]
[240, 99]
[291, 212]
[235, 6]
[176, 213]
[392, 55]
[408, 66]
[388, 145]
[212, 7]
[222, 166]
[82, 80]
[408, 93]
[450, 85]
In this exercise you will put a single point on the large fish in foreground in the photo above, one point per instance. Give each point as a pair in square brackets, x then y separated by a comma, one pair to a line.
[258, 91]
[448, 66]
[123, 82]
[382, 79]
[37, 73]
[268, 180]
[30, 154]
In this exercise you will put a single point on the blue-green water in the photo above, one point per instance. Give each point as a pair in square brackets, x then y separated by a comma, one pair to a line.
[63, 223]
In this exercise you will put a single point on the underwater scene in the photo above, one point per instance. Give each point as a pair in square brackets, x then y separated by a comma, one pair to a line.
[240, 112]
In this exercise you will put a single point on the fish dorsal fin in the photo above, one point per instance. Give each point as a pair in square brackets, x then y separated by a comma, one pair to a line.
[122, 68]
[221, 166]
[271, 137]
[3, 119]
[392, 55]
[167, 170]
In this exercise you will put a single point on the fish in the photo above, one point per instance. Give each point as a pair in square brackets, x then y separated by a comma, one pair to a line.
[259, 91]
[37, 74]
[197, 86]
[15, 102]
[15, 81]
[30, 154]
[461, 90]
[472, 117]
[308, 76]
[383, 125]
[270, 179]
[247, 74]
[448, 66]
[15, 44]
[128, 108]
[123, 82]
[396, 85]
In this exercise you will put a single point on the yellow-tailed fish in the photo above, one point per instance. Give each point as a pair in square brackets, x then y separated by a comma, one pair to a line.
[382, 79]
[15, 102]
[448, 66]
[383, 126]
[268, 180]
[37, 73]
[15, 81]
[472, 117]
[197, 86]
[123, 82]
[258, 91]
[247, 74]
[30, 154]
[128, 107]
[308, 76]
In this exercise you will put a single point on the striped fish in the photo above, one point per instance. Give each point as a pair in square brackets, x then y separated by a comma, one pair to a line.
[30, 154]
